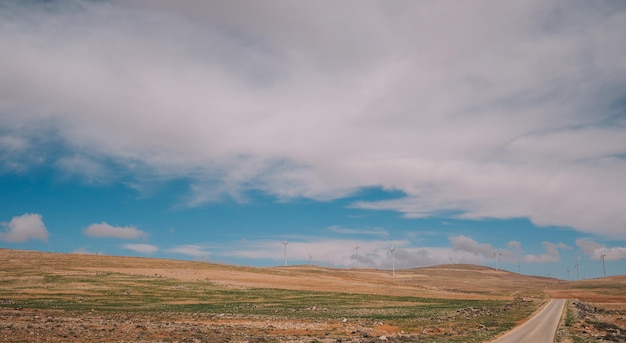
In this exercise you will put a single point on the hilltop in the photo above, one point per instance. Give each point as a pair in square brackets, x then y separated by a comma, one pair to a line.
[460, 281]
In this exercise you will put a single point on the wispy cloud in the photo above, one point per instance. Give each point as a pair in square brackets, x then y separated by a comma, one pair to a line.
[22, 228]
[141, 248]
[359, 231]
[89, 169]
[105, 230]
[190, 250]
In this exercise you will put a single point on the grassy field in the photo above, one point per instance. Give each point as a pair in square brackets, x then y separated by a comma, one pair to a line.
[135, 299]
[457, 319]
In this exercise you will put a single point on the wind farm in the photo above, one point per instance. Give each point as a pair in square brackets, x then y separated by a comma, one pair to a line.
[299, 302]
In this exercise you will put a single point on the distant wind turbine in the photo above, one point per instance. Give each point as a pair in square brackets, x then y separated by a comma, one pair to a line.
[393, 260]
[285, 249]
[356, 247]
[603, 267]
[568, 278]
[310, 258]
[577, 265]
[496, 257]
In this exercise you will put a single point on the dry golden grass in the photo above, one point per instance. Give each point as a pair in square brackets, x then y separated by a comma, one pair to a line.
[458, 281]
[462, 303]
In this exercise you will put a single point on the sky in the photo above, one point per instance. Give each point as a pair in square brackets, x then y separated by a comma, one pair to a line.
[483, 132]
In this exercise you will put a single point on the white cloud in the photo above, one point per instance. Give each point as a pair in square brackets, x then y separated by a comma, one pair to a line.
[551, 254]
[596, 250]
[85, 251]
[23, 228]
[326, 252]
[485, 252]
[490, 109]
[589, 247]
[141, 248]
[190, 250]
[105, 230]
[467, 244]
[82, 251]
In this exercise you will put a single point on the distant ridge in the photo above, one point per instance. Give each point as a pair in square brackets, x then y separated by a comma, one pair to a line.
[462, 266]
[461, 281]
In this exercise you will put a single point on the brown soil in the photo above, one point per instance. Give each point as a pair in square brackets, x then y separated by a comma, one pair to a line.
[445, 281]
[440, 282]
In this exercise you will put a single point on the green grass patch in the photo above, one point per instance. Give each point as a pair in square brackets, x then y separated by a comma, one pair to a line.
[116, 292]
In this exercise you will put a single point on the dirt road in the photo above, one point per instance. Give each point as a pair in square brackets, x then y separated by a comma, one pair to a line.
[540, 328]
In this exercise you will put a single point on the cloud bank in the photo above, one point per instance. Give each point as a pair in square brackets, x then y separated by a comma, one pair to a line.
[596, 250]
[373, 253]
[481, 110]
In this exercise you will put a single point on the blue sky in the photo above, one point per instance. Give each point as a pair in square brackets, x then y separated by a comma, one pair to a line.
[215, 131]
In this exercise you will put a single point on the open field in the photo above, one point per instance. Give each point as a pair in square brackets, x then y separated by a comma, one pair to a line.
[47, 297]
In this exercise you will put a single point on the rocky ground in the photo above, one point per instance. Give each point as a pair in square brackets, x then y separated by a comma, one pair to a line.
[44, 325]
[587, 322]
[36, 325]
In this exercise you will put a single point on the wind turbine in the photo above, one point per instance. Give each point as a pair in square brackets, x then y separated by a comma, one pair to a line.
[577, 270]
[568, 274]
[356, 247]
[310, 258]
[285, 249]
[393, 260]
[495, 256]
[603, 268]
